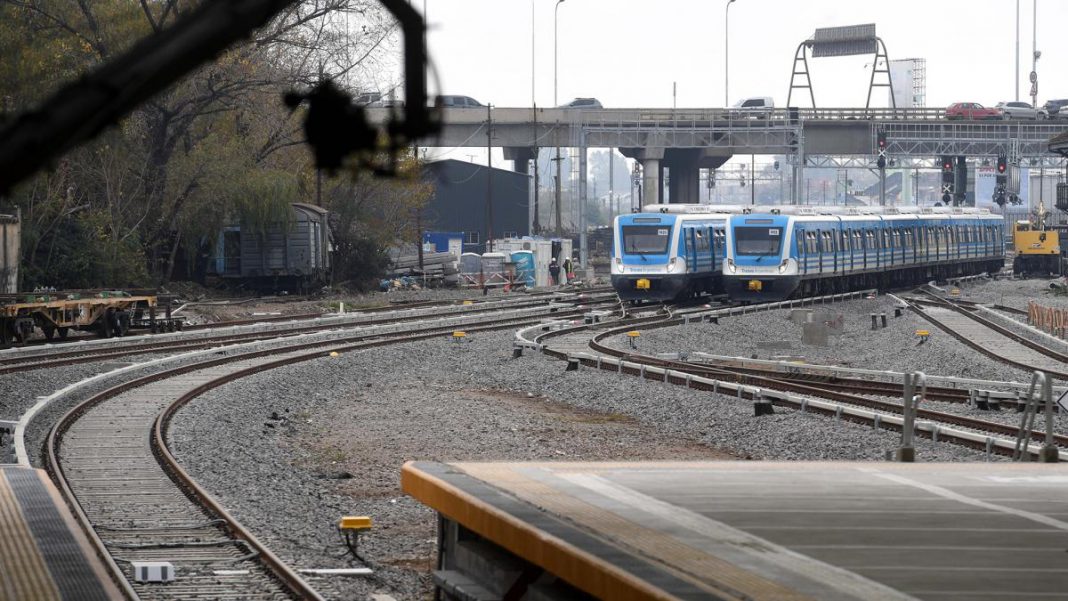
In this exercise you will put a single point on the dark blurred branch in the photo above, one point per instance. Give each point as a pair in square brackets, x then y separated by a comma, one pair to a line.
[81, 110]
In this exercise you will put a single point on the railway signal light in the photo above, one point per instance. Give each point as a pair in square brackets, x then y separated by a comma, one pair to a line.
[880, 138]
[1003, 164]
[947, 164]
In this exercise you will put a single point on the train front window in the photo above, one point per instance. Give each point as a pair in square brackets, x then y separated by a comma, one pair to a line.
[646, 239]
[757, 240]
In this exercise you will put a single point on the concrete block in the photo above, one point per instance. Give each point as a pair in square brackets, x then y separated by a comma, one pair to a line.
[814, 334]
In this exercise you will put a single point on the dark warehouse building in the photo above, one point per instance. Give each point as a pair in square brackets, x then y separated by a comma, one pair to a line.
[459, 202]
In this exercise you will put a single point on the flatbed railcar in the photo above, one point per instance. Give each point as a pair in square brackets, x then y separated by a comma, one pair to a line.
[104, 312]
[669, 252]
[804, 251]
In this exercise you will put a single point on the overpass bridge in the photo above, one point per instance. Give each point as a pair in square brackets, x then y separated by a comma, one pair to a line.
[687, 140]
[684, 141]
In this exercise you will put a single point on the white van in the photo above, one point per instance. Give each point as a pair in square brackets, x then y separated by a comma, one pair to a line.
[759, 107]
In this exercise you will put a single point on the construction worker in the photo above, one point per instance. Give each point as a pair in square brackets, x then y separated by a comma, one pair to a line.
[554, 272]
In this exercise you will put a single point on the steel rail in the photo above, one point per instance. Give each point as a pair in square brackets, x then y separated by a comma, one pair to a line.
[915, 306]
[53, 443]
[779, 382]
[74, 357]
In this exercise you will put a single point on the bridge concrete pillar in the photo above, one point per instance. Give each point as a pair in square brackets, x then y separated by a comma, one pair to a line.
[520, 157]
[684, 165]
[652, 171]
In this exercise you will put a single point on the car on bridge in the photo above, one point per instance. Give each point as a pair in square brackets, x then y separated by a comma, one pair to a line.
[1057, 109]
[972, 111]
[458, 102]
[749, 108]
[1021, 110]
[583, 103]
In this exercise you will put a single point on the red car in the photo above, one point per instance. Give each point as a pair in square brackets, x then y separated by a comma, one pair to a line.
[972, 110]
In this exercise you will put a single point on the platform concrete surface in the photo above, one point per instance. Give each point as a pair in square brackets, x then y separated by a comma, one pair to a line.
[44, 555]
[769, 530]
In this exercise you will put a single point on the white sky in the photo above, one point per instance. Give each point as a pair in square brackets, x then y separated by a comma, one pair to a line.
[627, 53]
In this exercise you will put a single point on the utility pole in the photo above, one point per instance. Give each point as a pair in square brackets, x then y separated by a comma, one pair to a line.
[536, 225]
[559, 210]
[1018, 51]
[489, 178]
[611, 184]
[752, 179]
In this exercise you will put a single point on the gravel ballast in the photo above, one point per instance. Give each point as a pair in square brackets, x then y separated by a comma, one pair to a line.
[292, 450]
[771, 334]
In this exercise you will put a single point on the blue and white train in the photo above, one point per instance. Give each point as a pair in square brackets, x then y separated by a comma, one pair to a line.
[669, 251]
[802, 251]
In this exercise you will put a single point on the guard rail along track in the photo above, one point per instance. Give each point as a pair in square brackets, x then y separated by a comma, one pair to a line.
[136, 502]
[781, 390]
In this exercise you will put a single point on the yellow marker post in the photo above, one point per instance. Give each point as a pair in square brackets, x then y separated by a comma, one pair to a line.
[923, 335]
[633, 337]
[458, 336]
[335, 354]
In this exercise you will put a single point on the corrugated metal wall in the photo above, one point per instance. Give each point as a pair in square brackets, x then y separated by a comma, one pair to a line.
[10, 228]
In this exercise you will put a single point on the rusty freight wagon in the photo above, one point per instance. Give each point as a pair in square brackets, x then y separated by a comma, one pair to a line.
[105, 313]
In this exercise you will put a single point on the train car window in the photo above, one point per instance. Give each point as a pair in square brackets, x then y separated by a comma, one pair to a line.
[757, 240]
[800, 243]
[646, 239]
[701, 241]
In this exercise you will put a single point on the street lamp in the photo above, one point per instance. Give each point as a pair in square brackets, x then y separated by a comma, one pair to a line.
[556, 20]
[556, 102]
[726, 53]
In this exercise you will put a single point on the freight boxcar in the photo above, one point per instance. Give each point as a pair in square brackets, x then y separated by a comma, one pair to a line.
[293, 255]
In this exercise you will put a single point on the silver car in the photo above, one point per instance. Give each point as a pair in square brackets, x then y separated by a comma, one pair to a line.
[1021, 110]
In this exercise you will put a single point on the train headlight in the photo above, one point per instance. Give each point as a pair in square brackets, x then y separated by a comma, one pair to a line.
[730, 266]
[672, 263]
[784, 266]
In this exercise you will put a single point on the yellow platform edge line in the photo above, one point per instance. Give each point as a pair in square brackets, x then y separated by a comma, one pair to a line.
[583, 570]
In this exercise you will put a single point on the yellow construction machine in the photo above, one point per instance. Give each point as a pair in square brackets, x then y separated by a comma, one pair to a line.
[1038, 248]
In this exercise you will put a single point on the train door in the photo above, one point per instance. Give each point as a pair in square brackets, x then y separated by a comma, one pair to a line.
[835, 247]
[847, 248]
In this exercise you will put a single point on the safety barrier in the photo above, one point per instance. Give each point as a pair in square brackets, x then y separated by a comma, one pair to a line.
[1051, 319]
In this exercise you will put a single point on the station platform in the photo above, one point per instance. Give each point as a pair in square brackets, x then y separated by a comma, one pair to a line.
[748, 530]
[44, 555]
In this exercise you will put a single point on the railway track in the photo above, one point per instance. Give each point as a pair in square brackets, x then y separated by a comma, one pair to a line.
[586, 344]
[963, 321]
[109, 457]
[171, 343]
